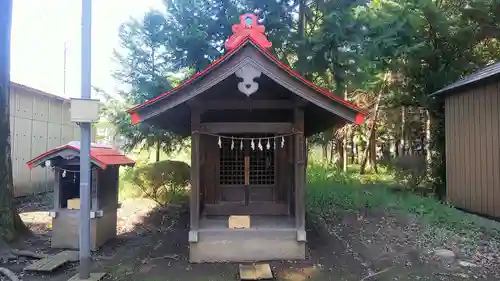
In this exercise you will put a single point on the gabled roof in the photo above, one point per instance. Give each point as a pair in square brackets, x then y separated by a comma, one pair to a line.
[101, 155]
[487, 72]
[217, 62]
[251, 35]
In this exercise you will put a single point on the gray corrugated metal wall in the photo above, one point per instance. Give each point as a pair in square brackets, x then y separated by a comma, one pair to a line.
[39, 121]
[473, 149]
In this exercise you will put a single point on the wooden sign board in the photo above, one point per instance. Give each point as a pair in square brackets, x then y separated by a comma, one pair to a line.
[239, 222]
[73, 204]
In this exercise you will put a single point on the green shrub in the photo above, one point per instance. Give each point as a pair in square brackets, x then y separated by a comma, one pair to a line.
[318, 171]
[127, 189]
[163, 181]
[410, 171]
[331, 194]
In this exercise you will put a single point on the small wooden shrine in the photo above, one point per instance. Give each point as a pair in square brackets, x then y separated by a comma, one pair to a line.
[248, 116]
[65, 162]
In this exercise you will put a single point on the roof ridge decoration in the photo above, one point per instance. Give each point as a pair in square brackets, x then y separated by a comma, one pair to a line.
[248, 28]
[248, 31]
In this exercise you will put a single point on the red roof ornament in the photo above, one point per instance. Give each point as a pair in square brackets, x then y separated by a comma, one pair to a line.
[248, 27]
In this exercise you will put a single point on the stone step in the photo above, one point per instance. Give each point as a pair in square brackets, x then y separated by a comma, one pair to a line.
[247, 246]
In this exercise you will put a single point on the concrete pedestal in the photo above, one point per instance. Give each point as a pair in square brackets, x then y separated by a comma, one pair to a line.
[65, 229]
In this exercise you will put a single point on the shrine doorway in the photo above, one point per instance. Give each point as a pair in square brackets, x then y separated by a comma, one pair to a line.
[250, 174]
[247, 169]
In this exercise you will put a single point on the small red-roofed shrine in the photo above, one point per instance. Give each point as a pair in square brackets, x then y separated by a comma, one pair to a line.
[248, 116]
[64, 161]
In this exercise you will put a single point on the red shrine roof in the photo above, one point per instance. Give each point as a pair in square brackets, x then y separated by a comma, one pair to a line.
[102, 155]
[249, 32]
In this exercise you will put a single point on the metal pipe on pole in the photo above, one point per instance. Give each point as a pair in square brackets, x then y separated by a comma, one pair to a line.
[85, 176]
[64, 67]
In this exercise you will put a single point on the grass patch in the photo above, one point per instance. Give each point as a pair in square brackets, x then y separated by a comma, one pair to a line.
[331, 193]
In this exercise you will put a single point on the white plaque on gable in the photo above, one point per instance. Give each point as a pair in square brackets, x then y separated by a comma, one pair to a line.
[248, 73]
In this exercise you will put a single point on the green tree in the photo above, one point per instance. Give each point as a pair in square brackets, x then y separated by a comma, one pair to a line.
[187, 38]
[347, 47]
[197, 29]
[431, 44]
[332, 42]
[145, 62]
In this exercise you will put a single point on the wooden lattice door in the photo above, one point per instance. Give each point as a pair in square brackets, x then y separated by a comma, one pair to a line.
[247, 171]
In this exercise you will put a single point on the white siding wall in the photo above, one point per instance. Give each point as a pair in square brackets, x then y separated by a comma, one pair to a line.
[39, 122]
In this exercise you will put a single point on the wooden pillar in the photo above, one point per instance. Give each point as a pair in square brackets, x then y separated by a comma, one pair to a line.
[299, 153]
[57, 190]
[95, 194]
[194, 206]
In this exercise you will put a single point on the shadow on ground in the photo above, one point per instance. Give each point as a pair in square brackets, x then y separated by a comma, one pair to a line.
[152, 245]
[157, 249]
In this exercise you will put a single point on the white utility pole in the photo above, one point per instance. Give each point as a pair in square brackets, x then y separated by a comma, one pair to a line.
[85, 144]
[65, 62]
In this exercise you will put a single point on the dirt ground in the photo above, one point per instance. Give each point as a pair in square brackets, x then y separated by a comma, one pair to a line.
[152, 245]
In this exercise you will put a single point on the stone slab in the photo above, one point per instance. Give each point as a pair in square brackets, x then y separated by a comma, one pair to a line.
[255, 272]
[246, 246]
[93, 277]
[50, 263]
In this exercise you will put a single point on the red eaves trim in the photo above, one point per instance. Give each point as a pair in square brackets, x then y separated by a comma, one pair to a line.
[360, 118]
[33, 161]
[311, 84]
[36, 159]
[190, 80]
[135, 117]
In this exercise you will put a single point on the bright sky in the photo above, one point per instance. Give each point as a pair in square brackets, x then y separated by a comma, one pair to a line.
[41, 27]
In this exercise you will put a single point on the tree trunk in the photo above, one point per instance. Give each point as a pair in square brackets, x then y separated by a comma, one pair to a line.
[344, 143]
[332, 152]
[408, 142]
[393, 146]
[301, 33]
[359, 149]
[153, 78]
[339, 145]
[427, 143]
[373, 152]
[364, 159]
[371, 136]
[402, 132]
[344, 153]
[353, 146]
[158, 150]
[10, 222]
[397, 142]
[324, 148]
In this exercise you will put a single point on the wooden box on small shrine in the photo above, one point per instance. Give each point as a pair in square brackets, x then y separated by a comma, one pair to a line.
[65, 163]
